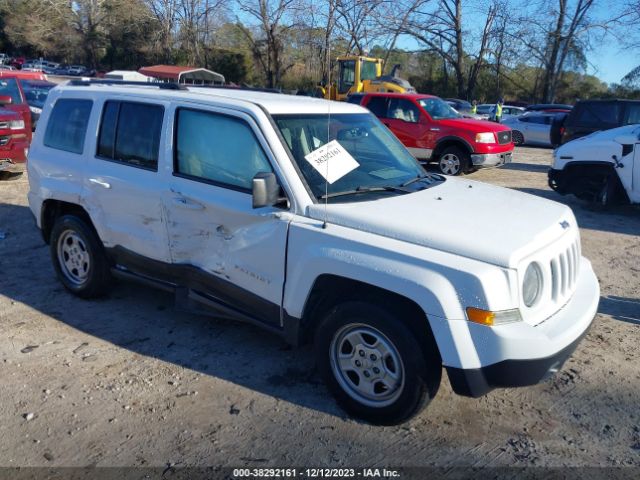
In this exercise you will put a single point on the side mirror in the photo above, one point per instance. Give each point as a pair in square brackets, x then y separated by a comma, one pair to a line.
[5, 100]
[265, 189]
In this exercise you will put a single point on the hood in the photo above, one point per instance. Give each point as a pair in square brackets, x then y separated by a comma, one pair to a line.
[476, 220]
[472, 125]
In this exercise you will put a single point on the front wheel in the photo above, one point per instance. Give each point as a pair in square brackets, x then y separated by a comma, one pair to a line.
[454, 161]
[373, 364]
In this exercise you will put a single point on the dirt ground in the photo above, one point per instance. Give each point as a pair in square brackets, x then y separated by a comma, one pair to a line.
[129, 381]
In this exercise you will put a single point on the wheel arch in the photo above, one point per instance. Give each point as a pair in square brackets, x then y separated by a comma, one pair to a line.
[53, 209]
[576, 170]
[451, 141]
[328, 290]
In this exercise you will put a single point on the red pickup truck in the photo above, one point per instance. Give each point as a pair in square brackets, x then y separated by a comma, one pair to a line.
[433, 131]
[14, 137]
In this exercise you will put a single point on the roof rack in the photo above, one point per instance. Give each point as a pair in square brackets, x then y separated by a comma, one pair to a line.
[233, 87]
[160, 85]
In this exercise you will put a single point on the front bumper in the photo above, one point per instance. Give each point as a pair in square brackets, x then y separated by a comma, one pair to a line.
[491, 159]
[524, 354]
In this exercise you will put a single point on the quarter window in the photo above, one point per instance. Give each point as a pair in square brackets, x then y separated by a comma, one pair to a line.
[217, 148]
[67, 125]
[130, 133]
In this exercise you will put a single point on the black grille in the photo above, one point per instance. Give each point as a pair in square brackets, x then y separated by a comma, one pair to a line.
[4, 125]
[504, 137]
[4, 140]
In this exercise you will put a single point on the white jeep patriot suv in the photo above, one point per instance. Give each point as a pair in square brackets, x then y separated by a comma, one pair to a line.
[310, 219]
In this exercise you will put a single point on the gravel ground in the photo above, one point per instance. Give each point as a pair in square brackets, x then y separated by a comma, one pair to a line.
[129, 381]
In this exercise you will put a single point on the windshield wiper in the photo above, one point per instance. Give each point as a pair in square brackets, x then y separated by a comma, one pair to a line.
[427, 176]
[364, 190]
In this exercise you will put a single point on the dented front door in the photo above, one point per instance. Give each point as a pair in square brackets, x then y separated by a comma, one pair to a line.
[237, 252]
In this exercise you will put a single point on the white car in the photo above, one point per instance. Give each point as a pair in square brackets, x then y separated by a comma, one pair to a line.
[531, 128]
[310, 219]
[602, 167]
[488, 111]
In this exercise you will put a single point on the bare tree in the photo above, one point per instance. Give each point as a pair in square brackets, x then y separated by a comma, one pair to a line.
[554, 38]
[355, 22]
[441, 30]
[273, 22]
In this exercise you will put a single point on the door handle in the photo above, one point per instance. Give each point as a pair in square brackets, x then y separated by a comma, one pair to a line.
[102, 183]
[185, 202]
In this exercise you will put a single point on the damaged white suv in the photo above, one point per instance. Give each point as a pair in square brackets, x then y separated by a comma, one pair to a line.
[310, 219]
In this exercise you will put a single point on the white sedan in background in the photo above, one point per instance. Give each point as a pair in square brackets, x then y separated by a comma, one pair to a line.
[531, 128]
[488, 111]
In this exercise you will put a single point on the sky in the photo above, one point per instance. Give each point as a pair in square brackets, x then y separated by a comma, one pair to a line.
[610, 64]
[607, 60]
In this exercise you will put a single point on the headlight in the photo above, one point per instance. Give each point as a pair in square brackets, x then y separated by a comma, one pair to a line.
[532, 285]
[35, 110]
[16, 124]
[492, 319]
[486, 137]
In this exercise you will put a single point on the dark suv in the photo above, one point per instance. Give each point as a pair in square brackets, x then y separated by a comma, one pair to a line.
[590, 116]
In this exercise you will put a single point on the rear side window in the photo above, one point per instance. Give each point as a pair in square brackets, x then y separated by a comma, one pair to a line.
[596, 115]
[378, 106]
[538, 119]
[219, 149]
[130, 133]
[67, 125]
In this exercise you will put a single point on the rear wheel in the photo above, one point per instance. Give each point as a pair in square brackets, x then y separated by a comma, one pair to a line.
[517, 138]
[454, 161]
[373, 364]
[78, 257]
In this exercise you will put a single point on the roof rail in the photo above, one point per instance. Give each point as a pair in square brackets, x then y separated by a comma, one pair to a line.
[233, 87]
[160, 85]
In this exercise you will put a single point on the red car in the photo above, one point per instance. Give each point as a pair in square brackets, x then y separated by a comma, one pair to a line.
[12, 86]
[433, 131]
[14, 136]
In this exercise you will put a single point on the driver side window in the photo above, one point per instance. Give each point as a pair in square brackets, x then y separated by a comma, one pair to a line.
[218, 149]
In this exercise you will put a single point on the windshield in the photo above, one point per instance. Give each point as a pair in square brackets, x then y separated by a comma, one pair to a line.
[36, 92]
[9, 87]
[438, 109]
[382, 161]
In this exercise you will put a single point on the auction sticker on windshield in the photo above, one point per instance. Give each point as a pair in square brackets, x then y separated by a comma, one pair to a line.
[332, 161]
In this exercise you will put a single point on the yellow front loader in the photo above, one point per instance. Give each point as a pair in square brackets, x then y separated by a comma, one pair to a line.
[358, 74]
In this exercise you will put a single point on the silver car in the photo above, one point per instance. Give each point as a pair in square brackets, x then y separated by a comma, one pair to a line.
[531, 128]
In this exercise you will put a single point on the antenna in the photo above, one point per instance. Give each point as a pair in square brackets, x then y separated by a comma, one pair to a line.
[326, 178]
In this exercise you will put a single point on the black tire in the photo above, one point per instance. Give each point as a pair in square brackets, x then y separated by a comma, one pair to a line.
[454, 161]
[419, 366]
[609, 194]
[517, 138]
[72, 240]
